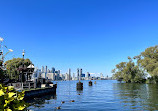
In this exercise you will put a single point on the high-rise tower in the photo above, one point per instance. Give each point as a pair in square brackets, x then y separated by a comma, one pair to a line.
[69, 74]
[78, 74]
[53, 70]
[46, 69]
[42, 69]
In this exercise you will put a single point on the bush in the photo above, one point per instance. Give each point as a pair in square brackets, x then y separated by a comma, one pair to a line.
[10, 99]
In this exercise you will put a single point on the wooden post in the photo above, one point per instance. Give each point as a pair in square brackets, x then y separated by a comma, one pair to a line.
[29, 86]
[34, 85]
[22, 85]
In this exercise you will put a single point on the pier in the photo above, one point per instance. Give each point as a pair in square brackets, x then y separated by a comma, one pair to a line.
[40, 91]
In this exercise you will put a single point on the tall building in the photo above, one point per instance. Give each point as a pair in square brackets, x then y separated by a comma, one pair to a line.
[73, 76]
[78, 73]
[87, 74]
[66, 76]
[69, 74]
[46, 69]
[42, 69]
[51, 76]
[58, 71]
[53, 70]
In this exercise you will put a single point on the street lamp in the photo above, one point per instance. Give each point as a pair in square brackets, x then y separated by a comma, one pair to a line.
[1, 39]
[23, 53]
[10, 50]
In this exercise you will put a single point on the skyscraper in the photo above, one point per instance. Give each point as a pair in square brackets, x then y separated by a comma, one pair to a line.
[58, 71]
[53, 70]
[73, 76]
[46, 69]
[66, 76]
[87, 74]
[42, 69]
[69, 74]
[78, 73]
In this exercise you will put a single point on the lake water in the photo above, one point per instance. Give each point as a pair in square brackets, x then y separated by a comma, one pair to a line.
[105, 95]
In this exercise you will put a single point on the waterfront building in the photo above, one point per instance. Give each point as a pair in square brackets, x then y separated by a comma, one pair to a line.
[73, 76]
[78, 74]
[53, 70]
[42, 69]
[37, 73]
[82, 75]
[46, 69]
[69, 72]
[51, 76]
[66, 76]
[43, 75]
[57, 75]
[58, 71]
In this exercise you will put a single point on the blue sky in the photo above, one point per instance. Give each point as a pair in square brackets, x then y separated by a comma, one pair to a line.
[93, 35]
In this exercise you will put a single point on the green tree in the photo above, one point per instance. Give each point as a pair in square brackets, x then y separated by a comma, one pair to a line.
[129, 72]
[149, 60]
[13, 65]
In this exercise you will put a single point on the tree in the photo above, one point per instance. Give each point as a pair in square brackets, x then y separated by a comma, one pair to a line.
[129, 72]
[13, 65]
[149, 60]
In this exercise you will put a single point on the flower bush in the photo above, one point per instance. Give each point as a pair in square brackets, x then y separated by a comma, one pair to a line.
[11, 100]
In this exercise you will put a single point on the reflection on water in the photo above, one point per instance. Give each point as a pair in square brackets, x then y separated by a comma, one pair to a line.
[40, 102]
[138, 96]
[104, 95]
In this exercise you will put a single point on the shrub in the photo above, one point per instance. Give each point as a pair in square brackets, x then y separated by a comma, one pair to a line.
[10, 99]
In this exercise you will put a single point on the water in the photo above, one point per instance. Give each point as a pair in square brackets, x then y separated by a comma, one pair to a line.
[105, 95]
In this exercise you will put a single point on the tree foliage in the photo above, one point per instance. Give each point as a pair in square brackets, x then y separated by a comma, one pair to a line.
[13, 65]
[149, 60]
[129, 72]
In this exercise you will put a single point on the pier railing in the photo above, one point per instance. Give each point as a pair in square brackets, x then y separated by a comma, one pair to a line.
[22, 86]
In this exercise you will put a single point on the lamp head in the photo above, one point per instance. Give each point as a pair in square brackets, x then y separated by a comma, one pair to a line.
[10, 50]
[1, 39]
[23, 53]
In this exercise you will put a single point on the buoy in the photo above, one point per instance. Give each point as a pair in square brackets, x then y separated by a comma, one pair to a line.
[90, 83]
[79, 86]
[62, 102]
[58, 107]
[72, 101]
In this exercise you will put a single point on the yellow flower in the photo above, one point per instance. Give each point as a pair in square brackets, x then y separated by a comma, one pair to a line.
[11, 94]
[1, 93]
[7, 109]
[20, 98]
[10, 88]
[21, 107]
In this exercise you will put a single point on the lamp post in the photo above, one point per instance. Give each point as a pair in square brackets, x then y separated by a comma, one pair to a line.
[2, 56]
[23, 53]
[22, 69]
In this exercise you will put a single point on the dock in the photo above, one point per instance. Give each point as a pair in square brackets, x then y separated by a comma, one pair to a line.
[40, 91]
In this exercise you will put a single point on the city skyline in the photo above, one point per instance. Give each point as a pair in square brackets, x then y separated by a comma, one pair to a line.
[92, 35]
[56, 75]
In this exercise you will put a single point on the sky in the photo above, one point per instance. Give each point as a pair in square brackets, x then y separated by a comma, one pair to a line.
[94, 35]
